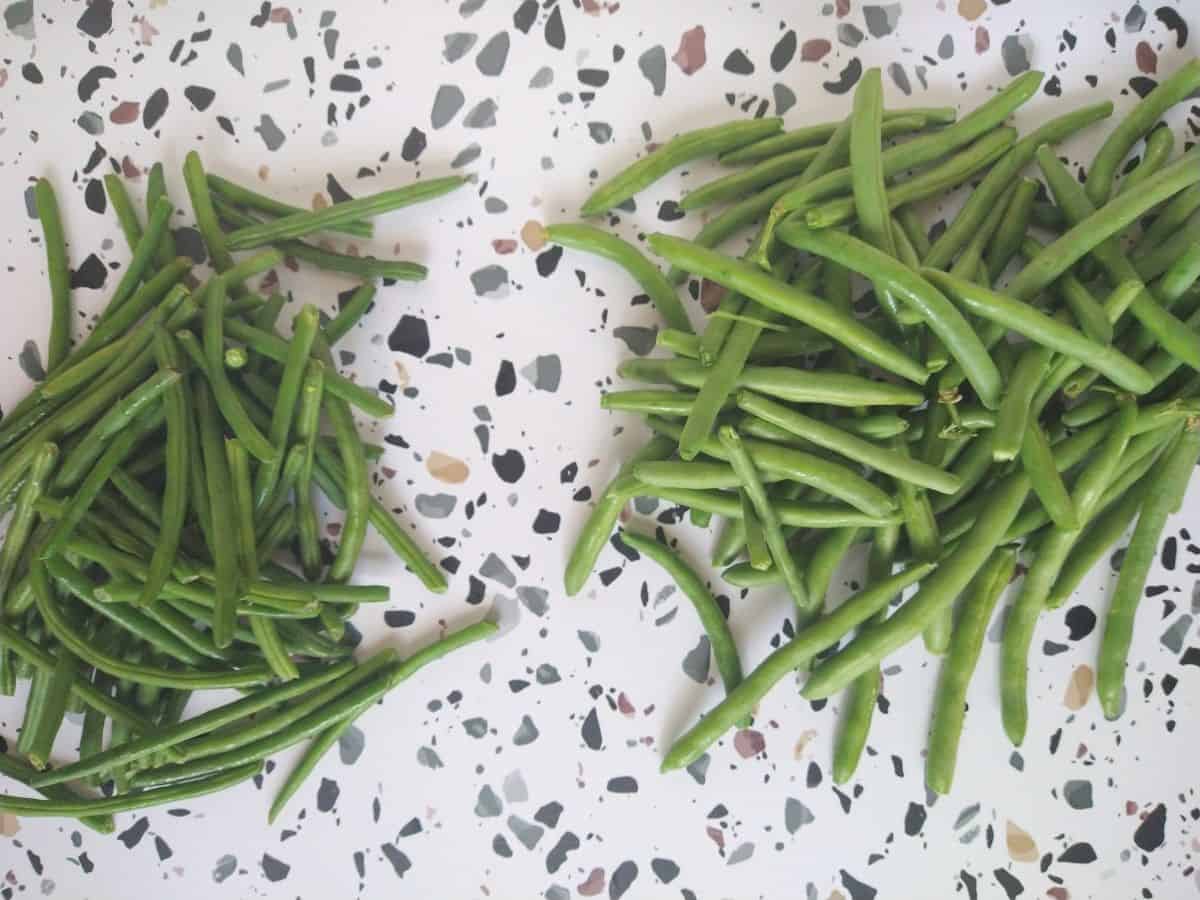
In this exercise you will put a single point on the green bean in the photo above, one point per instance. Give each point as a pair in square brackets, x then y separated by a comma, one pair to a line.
[744, 575]
[219, 491]
[830, 549]
[951, 328]
[53, 709]
[305, 222]
[914, 229]
[950, 703]
[714, 624]
[136, 800]
[933, 181]
[275, 348]
[985, 198]
[182, 627]
[316, 749]
[833, 438]
[156, 189]
[1043, 330]
[1158, 505]
[791, 512]
[349, 315]
[308, 414]
[21, 525]
[594, 240]
[661, 403]
[787, 300]
[123, 208]
[875, 427]
[1183, 82]
[938, 591]
[747, 472]
[293, 463]
[1084, 307]
[1037, 459]
[114, 319]
[206, 217]
[1168, 221]
[1016, 408]
[676, 152]
[347, 706]
[781, 382]
[244, 196]
[58, 343]
[808, 642]
[279, 529]
[22, 773]
[1013, 228]
[137, 497]
[856, 723]
[34, 705]
[1159, 144]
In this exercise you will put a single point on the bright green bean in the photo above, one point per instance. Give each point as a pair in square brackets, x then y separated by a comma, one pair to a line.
[1159, 144]
[1016, 408]
[1013, 228]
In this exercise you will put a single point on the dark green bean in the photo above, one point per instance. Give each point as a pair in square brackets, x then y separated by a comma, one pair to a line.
[22, 773]
[350, 314]
[58, 271]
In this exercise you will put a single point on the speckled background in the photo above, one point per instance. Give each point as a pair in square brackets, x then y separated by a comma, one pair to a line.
[526, 767]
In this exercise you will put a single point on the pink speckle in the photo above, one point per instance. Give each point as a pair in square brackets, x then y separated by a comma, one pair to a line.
[625, 706]
[3, 77]
[691, 55]
[1130, 807]
[125, 112]
[717, 835]
[1147, 59]
[749, 742]
[710, 295]
[982, 40]
[594, 884]
[843, 8]
[504, 246]
[129, 168]
[148, 31]
[281, 14]
[814, 49]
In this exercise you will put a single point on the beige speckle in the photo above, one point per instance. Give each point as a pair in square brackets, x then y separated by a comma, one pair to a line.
[533, 233]
[319, 201]
[837, 895]
[9, 825]
[972, 9]
[1021, 847]
[446, 468]
[264, 172]
[402, 376]
[802, 742]
[711, 295]
[1079, 688]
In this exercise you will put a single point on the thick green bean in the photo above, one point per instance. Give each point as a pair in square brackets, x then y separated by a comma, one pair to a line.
[1016, 408]
[808, 642]
[1168, 221]
[206, 217]
[1037, 459]
[58, 343]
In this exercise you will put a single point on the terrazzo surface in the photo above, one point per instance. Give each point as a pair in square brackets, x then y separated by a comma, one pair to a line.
[527, 766]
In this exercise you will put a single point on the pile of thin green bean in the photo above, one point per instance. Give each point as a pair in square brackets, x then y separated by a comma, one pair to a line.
[157, 480]
[1024, 379]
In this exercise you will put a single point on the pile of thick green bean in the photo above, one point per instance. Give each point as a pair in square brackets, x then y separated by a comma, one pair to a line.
[1025, 378]
[156, 479]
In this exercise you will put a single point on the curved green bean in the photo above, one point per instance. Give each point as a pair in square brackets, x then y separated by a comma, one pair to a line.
[1160, 142]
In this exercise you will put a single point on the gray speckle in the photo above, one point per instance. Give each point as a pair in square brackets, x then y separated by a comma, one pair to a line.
[457, 45]
[653, 63]
[558, 855]
[547, 674]
[785, 98]
[645, 506]
[1078, 793]
[494, 54]
[91, 122]
[849, 35]
[900, 77]
[515, 790]
[435, 506]
[476, 727]
[695, 664]
[30, 203]
[224, 867]
[490, 281]
[428, 757]
[327, 794]
[350, 744]
[741, 853]
[488, 804]
[494, 568]
[535, 599]
[446, 104]
[329, 138]
[969, 835]
[881, 20]
[1135, 19]
[526, 732]
[1196, 598]
[1173, 637]
[622, 877]
[272, 86]
[506, 613]
[1016, 51]
[468, 8]
[590, 641]
[18, 17]
[482, 116]
[796, 815]
[466, 156]
[543, 77]
[945, 48]
[557, 892]
[547, 164]
[544, 373]
[601, 132]
[638, 339]
[30, 361]
[495, 205]
[526, 832]
[234, 56]
[699, 769]
[269, 132]
[966, 815]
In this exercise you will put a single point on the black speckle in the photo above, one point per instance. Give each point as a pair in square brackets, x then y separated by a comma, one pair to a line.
[501, 846]
[327, 794]
[414, 145]
[400, 862]
[1174, 23]
[1053, 86]
[812, 777]
[555, 35]
[592, 736]
[133, 835]
[154, 108]
[568, 473]
[94, 196]
[669, 211]
[593, 77]
[1142, 85]
[1170, 549]
[1054, 741]
[86, 863]
[568, 842]
[842, 799]
[1150, 834]
[337, 193]
[858, 890]
[525, 16]
[1078, 853]
[506, 379]
[96, 20]
[162, 848]
[914, 819]
[411, 336]
[1011, 884]
[90, 82]
[1191, 657]
[200, 97]
[31, 73]
[547, 260]
[783, 51]
[970, 883]
[399, 618]
[623, 784]
[666, 869]
[1053, 648]
[345, 83]
[509, 465]
[846, 79]
[738, 63]
[546, 522]
[475, 591]
[90, 274]
[622, 877]
[1080, 622]
[274, 869]
[549, 814]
